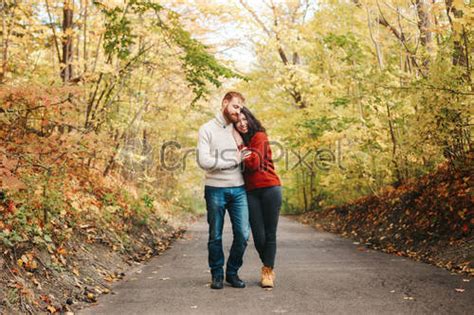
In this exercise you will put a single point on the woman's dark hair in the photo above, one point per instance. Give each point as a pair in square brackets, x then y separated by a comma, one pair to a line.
[254, 125]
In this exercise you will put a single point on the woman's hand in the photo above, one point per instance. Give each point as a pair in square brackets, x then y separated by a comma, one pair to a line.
[237, 137]
[245, 153]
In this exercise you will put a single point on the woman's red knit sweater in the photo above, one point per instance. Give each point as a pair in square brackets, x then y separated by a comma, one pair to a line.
[259, 169]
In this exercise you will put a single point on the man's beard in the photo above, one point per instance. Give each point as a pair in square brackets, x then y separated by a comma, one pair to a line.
[232, 118]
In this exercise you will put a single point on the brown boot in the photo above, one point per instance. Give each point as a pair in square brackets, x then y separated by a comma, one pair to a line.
[267, 278]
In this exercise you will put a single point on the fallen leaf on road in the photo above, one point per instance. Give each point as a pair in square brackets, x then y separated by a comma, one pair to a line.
[280, 310]
[91, 297]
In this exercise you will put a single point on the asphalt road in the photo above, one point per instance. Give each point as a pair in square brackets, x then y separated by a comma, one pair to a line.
[317, 273]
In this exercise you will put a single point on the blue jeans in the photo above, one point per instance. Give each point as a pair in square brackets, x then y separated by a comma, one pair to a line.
[234, 199]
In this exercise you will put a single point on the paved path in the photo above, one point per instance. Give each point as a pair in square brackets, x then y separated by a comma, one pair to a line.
[317, 273]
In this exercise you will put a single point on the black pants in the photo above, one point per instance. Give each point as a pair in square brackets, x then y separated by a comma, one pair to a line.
[264, 210]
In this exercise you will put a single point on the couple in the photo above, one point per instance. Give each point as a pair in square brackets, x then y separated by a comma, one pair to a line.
[234, 151]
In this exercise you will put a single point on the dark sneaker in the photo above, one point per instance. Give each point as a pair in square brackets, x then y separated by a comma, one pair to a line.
[235, 281]
[217, 282]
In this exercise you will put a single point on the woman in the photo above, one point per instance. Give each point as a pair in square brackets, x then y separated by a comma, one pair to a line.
[263, 190]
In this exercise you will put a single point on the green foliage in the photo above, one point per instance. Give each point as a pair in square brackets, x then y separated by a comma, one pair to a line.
[24, 229]
[119, 31]
[199, 65]
[341, 102]
[109, 199]
[10, 238]
[118, 36]
[389, 110]
[317, 126]
[148, 201]
[349, 43]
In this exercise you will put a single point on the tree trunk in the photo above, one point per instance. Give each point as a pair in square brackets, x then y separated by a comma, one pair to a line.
[84, 39]
[424, 25]
[67, 56]
[394, 145]
[4, 44]
[5, 41]
[305, 194]
[424, 22]
[459, 55]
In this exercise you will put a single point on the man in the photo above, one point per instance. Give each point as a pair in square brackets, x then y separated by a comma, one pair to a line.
[224, 189]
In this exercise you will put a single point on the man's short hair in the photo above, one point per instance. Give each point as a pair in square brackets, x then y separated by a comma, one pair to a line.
[230, 95]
